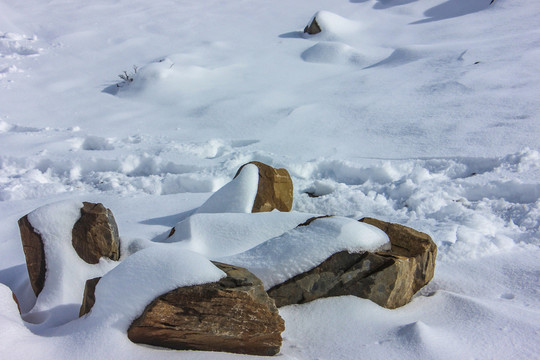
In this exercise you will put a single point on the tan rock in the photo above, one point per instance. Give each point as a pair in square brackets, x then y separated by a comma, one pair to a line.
[233, 315]
[275, 190]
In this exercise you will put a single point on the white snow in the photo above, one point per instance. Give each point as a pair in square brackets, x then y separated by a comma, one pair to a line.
[124, 292]
[236, 196]
[423, 113]
[224, 234]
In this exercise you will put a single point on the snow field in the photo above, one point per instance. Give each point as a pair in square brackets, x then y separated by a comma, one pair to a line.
[418, 112]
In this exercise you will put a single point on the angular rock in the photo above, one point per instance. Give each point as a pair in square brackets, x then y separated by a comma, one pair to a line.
[275, 189]
[388, 278]
[89, 297]
[95, 234]
[313, 27]
[34, 253]
[413, 244]
[233, 315]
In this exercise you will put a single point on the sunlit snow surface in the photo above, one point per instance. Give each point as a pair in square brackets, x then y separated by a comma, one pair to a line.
[424, 113]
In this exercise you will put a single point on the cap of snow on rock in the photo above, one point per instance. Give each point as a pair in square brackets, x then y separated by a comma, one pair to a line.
[328, 23]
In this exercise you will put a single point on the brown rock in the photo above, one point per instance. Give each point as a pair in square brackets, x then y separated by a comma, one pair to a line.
[95, 234]
[16, 301]
[388, 278]
[413, 244]
[234, 315]
[275, 190]
[89, 297]
[34, 253]
[313, 28]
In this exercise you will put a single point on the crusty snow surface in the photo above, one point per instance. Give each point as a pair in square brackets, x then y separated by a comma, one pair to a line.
[423, 113]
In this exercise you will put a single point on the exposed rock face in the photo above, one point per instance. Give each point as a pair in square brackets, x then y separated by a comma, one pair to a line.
[275, 190]
[234, 315]
[388, 278]
[95, 234]
[409, 243]
[34, 253]
[313, 28]
[89, 297]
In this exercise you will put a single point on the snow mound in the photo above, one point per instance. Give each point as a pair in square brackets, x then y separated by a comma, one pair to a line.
[305, 247]
[218, 235]
[333, 53]
[332, 26]
[237, 196]
[169, 78]
[14, 45]
[97, 143]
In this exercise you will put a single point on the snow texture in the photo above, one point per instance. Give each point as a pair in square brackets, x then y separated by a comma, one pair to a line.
[305, 247]
[423, 113]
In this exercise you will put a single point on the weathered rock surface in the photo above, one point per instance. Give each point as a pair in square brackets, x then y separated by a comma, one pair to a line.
[34, 253]
[388, 278]
[275, 190]
[89, 296]
[313, 27]
[234, 315]
[95, 234]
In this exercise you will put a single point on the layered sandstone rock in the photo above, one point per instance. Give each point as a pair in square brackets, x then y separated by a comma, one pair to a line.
[234, 315]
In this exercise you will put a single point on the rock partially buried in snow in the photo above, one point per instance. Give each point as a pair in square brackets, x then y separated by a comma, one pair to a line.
[233, 315]
[275, 188]
[388, 278]
[34, 253]
[89, 297]
[331, 24]
[408, 243]
[95, 234]
[313, 27]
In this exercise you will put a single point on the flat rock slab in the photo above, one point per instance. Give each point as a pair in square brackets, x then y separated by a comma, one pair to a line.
[233, 315]
[388, 278]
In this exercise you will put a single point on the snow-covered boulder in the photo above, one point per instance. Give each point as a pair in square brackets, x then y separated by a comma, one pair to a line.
[274, 190]
[256, 187]
[90, 230]
[389, 277]
[330, 24]
[233, 314]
